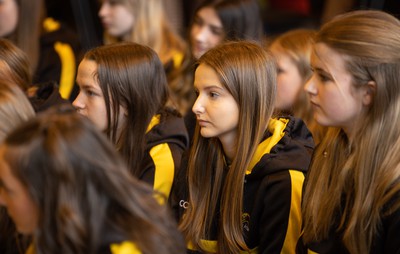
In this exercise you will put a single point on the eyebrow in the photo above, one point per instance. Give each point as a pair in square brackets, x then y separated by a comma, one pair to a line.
[210, 87]
[320, 70]
[88, 87]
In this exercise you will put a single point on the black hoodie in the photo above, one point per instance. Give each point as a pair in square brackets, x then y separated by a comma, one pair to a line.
[166, 141]
[272, 189]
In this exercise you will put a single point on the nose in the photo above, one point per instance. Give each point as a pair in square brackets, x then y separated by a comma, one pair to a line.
[310, 86]
[78, 102]
[200, 33]
[198, 107]
[103, 10]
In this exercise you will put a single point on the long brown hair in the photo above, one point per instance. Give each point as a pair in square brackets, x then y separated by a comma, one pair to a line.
[29, 28]
[85, 196]
[16, 63]
[132, 76]
[248, 72]
[353, 181]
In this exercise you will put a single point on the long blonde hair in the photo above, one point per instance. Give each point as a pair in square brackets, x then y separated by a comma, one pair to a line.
[352, 182]
[249, 74]
[151, 28]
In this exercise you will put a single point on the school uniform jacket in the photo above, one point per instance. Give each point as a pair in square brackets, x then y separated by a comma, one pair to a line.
[272, 190]
[59, 54]
[166, 141]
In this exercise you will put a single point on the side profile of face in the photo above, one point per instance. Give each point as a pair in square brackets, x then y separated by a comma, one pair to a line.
[116, 18]
[17, 200]
[206, 32]
[289, 81]
[8, 17]
[335, 100]
[216, 110]
[90, 100]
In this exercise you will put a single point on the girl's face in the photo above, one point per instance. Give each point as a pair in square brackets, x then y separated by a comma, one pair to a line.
[90, 101]
[8, 17]
[216, 110]
[15, 197]
[335, 100]
[206, 32]
[117, 20]
[289, 81]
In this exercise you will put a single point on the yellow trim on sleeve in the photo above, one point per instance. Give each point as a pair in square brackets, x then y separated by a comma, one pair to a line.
[164, 170]
[294, 222]
[311, 252]
[154, 121]
[276, 127]
[124, 248]
[177, 59]
[68, 68]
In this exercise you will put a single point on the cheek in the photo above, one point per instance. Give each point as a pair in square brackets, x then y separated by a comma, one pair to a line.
[215, 40]
[288, 88]
[97, 113]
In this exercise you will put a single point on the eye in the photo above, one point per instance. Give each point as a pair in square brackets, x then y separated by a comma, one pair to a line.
[280, 70]
[323, 78]
[113, 2]
[90, 93]
[196, 92]
[214, 95]
[217, 31]
[197, 21]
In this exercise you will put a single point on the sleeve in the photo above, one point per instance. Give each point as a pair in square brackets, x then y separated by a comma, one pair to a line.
[159, 170]
[280, 222]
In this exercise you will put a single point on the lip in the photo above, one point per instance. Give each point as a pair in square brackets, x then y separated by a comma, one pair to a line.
[202, 122]
[105, 24]
[314, 104]
[198, 48]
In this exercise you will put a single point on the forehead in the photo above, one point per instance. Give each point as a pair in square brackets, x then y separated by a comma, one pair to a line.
[206, 76]
[328, 59]
[209, 15]
[87, 67]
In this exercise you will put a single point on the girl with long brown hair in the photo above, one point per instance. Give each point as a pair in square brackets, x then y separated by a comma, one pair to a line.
[245, 169]
[351, 201]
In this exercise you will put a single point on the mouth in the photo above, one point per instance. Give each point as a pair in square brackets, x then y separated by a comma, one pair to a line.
[198, 48]
[314, 104]
[202, 122]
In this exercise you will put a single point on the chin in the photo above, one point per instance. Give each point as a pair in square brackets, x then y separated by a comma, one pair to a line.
[206, 134]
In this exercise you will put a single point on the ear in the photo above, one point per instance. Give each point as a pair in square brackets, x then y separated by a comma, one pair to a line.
[369, 93]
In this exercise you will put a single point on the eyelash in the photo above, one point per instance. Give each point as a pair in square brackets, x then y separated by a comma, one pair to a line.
[214, 95]
[323, 78]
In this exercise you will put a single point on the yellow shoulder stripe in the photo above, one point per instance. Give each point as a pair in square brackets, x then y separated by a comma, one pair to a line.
[154, 121]
[68, 68]
[276, 127]
[51, 25]
[124, 248]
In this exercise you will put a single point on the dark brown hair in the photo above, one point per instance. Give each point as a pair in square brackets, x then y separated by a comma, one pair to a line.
[85, 196]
